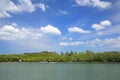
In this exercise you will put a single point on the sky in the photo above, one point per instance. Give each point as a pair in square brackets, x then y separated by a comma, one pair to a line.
[59, 25]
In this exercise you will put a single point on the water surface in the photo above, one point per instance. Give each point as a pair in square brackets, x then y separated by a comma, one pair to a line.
[59, 71]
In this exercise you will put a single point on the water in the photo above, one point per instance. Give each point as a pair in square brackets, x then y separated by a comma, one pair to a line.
[40, 71]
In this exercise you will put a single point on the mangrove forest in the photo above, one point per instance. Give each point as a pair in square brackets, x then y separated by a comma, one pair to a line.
[45, 56]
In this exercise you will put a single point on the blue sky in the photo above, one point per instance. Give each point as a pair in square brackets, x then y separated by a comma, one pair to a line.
[59, 25]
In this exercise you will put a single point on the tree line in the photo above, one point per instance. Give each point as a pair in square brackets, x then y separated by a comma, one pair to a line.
[45, 56]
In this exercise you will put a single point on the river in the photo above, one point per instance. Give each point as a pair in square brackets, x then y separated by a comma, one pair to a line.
[58, 71]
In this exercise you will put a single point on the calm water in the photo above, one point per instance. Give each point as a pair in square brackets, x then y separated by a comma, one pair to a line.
[39, 71]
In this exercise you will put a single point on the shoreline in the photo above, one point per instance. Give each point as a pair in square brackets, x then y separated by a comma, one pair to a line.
[67, 62]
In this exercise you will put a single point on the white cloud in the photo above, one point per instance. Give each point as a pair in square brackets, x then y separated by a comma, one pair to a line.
[97, 26]
[4, 14]
[14, 24]
[29, 39]
[105, 23]
[67, 38]
[26, 6]
[100, 33]
[70, 38]
[112, 30]
[83, 2]
[63, 12]
[63, 38]
[78, 30]
[95, 42]
[76, 43]
[49, 29]
[115, 42]
[9, 32]
[110, 42]
[42, 6]
[8, 6]
[102, 25]
[94, 3]
[115, 17]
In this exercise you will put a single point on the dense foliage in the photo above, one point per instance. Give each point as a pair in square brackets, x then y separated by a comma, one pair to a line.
[45, 56]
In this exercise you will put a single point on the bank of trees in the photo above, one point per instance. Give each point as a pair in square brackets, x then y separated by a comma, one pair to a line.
[71, 56]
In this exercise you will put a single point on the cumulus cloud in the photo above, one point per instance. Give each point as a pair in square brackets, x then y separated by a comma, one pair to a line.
[49, 29]
[102, 25]
[105, 23]
[94, 3]
[10, 32]
[23, 39]
[76, 43]
[8, 6]
[78, 30]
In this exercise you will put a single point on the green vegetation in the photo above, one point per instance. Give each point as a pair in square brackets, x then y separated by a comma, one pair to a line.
[45, 56]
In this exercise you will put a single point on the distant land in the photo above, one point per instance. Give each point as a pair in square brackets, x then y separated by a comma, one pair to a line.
[45, 56]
